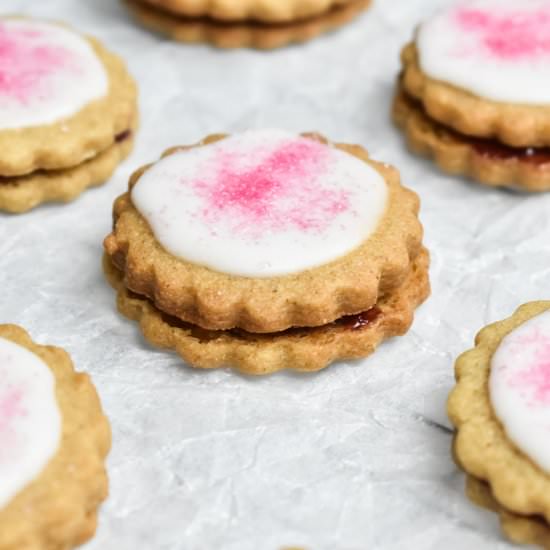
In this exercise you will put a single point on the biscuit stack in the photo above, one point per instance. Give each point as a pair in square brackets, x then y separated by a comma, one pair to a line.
[55, 440]
[245, 23]
[68, 111]
[267, 250]
[500, 407]
[474, 93]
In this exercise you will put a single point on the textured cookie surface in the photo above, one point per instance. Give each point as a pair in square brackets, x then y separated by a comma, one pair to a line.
[245, 34]
[302, 349]
[63, 97]
[520, 529]
[20, 194]
[213, 299]
[54, 503]
[270, 11]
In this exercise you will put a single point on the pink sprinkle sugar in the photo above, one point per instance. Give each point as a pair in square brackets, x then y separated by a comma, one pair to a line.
[535, 379]
[279, 193]
[512, 36]
[24, 65]
[10, 407]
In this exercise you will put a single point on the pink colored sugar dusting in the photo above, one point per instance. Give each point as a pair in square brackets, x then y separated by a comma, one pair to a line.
[512, 36]
[25, 63]
[535, 378]
[278, 193]
[10, 407]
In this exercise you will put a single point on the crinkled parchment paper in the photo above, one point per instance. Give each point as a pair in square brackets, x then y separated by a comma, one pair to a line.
[353, 458]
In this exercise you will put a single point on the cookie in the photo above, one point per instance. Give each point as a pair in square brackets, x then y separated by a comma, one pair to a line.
[266, 11]
[53, 442]
[64, 101]
[475, 79]
[501, 410]
[263, 234]
[244, 34]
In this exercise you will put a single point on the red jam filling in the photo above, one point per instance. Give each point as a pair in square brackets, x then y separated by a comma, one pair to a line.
[349, 322]
[495, 149]
[490, 148]
[361, 320]
[123, 136]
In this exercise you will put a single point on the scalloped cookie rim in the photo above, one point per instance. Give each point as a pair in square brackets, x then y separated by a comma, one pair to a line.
[308, 352]
[481, 445]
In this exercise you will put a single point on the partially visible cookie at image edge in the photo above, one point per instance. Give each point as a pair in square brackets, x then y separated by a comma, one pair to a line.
[54, 439]
[501, 410]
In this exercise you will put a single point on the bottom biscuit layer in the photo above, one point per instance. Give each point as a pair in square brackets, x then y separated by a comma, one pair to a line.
[486, 161]
[520, 529]
[243, 35]
[20, 194]
[302, 349]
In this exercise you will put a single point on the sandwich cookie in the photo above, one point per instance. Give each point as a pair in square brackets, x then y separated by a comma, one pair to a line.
[267, 250]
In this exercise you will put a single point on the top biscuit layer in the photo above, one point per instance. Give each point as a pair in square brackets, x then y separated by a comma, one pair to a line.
[63, 97]
[268, 11]
[482, 67]
[261, 204]
[298, 234]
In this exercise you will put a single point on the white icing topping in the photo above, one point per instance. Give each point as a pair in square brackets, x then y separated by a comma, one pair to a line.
[520, 388]
[47, 73]
[495, 49]
[262, 203]
[30, 421]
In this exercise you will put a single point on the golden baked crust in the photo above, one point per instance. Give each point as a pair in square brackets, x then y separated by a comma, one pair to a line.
[267, 11]
[481, 445]
[519, 529]
[58, 509]
[23, 193]
[308, 349]
[218, 301]
[514, 125]
[458, 154]
[73, 140]
[244, 34]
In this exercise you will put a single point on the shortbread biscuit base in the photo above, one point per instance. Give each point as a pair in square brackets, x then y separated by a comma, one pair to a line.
[514, 125]
[519, 529]
[308, 349]
[456, 155]
[245, 34]
[481, 446]
[218, 301]
[73, 140]
[21, 194]
[59, 509]
[266, 11]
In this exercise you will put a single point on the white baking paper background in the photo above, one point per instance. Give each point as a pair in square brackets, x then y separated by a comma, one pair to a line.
[356, 457]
